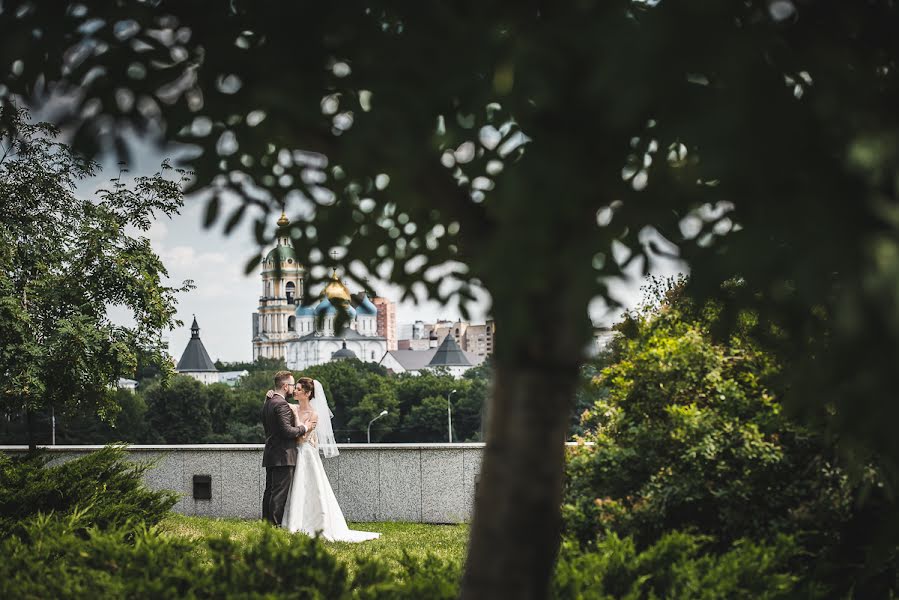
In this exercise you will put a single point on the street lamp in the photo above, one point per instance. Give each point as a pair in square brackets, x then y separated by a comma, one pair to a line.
[383, 412]
[449, 416]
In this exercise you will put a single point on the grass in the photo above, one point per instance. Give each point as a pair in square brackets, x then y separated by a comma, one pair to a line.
[447, 542]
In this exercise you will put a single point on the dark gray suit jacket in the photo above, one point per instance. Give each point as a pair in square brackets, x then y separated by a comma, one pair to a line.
[280, 433]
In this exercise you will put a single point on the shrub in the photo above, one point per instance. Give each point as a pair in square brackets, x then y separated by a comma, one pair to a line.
[104, 485]
[62, 557]
[690, 435]
[58, 556]
[417, 577]
[678, 566]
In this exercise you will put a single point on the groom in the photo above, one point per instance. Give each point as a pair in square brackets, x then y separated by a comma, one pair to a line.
[280, 455]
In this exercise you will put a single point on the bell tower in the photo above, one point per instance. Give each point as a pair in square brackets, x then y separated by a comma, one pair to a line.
[274, 323]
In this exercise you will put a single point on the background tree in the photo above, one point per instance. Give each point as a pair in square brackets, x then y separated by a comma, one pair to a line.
[260, 364]
[370, 407]
[468, 409]
[527, 149]
[346, 383]
[65, 260]
[690, 430]
[178, 411]
[429, 419]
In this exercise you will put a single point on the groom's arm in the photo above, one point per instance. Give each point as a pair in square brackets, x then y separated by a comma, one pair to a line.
[285, 418]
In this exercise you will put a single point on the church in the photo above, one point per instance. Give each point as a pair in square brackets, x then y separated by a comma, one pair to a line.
[304, 335]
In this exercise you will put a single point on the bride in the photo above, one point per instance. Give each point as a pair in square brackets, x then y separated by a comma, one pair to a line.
[311, 505]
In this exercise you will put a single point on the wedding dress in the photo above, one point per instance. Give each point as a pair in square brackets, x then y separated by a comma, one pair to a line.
[311, 504]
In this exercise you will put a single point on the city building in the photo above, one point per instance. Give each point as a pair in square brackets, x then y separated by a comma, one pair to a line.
[231, 378]
[274, 322]
[195, 361]
[476, 339]
[386, 320]
[447, 356]
[314, 340]
[305, 335]
[601, 340]
[127, 384]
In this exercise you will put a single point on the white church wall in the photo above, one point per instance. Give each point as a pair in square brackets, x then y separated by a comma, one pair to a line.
[204, 377]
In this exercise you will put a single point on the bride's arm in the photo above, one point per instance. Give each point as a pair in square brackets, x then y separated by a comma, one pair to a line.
[312, 438]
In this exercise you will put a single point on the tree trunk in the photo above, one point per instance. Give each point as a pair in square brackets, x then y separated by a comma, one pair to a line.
[515, 531]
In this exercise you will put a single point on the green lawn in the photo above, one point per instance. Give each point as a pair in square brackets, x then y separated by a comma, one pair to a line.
[444, 541]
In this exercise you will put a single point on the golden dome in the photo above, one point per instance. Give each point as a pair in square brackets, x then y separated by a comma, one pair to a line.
[283, 221]
[336, 289]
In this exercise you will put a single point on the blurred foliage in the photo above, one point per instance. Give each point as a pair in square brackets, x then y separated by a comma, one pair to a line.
[537, 151]
[690, 434]
[64, 260]
[64, 557]
[617, 107]
[677, 566]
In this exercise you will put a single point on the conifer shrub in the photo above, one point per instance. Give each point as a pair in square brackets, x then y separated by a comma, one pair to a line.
[103, 486]
[58, 556]
[417, 577]
[63, 556]
[679, 566]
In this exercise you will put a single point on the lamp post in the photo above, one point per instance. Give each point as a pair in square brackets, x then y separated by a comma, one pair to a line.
[368, 434]
[449, 416]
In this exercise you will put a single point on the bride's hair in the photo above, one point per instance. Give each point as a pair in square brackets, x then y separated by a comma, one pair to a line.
[308, 386]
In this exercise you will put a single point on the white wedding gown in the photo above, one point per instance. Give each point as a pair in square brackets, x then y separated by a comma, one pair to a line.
[311, 505]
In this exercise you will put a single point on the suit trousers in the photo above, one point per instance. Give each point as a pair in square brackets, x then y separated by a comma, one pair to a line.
[277, 486]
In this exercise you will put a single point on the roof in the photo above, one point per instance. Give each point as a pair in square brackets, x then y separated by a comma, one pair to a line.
[195, 357]
[343, 352]
[365, 307]
[282, 252]
[336, 289]
[327, 307]
[346, 334]
[304, 311]
[449, 354]
[413, 360]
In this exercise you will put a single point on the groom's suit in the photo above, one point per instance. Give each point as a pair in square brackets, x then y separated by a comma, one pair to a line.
[280, 455]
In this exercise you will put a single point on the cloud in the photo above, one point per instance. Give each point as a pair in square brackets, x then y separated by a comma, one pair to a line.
[187, 257]
[158, 231]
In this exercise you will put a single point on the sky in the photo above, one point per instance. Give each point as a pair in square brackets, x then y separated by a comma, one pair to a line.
[225, 298]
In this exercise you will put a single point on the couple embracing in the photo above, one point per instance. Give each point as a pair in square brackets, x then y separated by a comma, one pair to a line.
[298, 495]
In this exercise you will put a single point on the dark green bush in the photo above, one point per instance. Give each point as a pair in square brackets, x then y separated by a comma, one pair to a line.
[691, 435]
[418, 577]
[678, 566]
[63, 557]
[60, 557]
[104, 486]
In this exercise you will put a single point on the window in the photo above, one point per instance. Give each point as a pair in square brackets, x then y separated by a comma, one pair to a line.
[291, 323]
[290, 289]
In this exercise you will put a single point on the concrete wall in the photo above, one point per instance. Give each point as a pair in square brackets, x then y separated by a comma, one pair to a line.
[426, 483]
